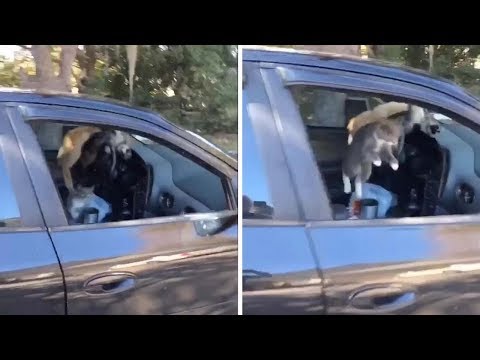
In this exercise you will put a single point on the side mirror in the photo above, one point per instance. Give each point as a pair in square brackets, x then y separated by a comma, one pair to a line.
[215, 224]
[256, 209]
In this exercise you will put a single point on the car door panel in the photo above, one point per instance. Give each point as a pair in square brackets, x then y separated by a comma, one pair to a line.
[47, 195]
[174, 269]
[395, 266]
[416, 268]
[152, 266]
[31, 281]
[280, 275]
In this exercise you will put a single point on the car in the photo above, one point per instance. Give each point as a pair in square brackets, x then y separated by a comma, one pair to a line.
[169, 245]
[305, 249]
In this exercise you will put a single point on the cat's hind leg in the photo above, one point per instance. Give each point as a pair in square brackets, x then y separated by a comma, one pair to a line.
[358, 187]
[388, 156]
[365, 172]
[362, 178]
[347, 186]
[377, 162]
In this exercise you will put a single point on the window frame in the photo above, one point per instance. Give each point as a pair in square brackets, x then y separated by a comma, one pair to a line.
[285, 75]
[27, 203]
[264, 123]
[50, 202]
[300, 162]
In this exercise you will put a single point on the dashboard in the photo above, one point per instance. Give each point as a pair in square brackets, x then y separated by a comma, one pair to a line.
[463, 183]
[177, 180]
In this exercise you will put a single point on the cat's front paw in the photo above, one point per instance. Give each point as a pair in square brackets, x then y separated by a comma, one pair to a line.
[377, 162]
[394, 166]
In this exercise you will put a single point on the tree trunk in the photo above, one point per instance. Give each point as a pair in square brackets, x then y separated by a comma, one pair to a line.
[376, 51]
[132, 61]
[69, 53]
[415, 57]
[44, 79]
[337, 49]
[43, 62]
[329, 106]
[430, 57]
[87, 60]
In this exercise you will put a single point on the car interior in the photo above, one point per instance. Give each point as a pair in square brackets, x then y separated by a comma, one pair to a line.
[158, 180]
[438, 172]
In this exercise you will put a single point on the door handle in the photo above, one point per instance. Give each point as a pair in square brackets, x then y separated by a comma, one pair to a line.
[382, 298]
[110, 283]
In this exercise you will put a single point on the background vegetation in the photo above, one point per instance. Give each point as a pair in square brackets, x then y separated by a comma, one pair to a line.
[459, 63]
[192, 85]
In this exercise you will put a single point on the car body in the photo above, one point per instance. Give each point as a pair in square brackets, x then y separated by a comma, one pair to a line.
[297, 259]
[159, 265]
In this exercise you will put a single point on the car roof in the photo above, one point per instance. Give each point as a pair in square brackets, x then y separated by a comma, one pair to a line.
[356, 64]
[30, 96]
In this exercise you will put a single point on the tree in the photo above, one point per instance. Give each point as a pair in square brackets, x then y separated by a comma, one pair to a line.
[45, 78]
[376, 51]
[431, 51]
[454, 62]
[8, 77]
[327, 104]
[87, 61]
[132, 61]
[192, 85]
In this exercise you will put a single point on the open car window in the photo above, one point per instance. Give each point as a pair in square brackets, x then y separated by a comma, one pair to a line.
[156, 180]
[437, 156]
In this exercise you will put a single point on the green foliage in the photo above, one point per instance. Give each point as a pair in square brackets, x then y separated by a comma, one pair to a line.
[8, 77]
[453, 62]
[193, 85]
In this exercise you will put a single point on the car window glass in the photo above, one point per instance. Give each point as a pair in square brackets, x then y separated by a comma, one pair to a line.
[430, 168]
[151, 178]
[257, 201]
[9, 212]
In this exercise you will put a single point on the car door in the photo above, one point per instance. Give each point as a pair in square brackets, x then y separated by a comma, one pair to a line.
[426, 265]
[168, 265]
[31, 281]
[280, 272]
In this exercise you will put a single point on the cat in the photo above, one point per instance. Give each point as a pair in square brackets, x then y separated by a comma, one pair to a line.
[380, 112]
[84, 197]
[71, 150]
[77, 200]
[373, 144]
